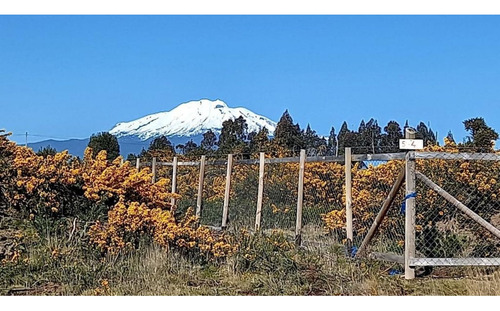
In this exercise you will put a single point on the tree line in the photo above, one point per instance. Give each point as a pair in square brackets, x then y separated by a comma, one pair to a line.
[289, 139]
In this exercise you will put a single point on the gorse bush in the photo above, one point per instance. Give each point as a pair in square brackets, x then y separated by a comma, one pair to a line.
[123, 206]
[121, 202]
[440, 227]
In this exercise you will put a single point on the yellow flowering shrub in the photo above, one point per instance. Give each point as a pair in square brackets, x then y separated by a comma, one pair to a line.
[142, 208]
[43, 185]
[59, 186]
[7, 172]
[111, 181]
[127, 223]
[472, 182]
[323, 182]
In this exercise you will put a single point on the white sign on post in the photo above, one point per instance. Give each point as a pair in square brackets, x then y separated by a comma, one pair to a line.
[411, 144]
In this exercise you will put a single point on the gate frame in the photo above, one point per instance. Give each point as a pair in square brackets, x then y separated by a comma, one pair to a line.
[414, 261]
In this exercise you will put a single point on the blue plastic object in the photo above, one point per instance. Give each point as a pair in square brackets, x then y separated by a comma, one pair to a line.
[403, 205]
[354, 250]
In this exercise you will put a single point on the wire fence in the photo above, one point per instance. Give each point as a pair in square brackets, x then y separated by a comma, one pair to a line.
[372, 183]
[213, 193]
[243, 195]
[186, 186]
[279, 207]
[453, 229]
[324, 192]
[444, 233]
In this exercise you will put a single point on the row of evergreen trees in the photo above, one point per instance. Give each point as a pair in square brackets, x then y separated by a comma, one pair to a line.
[289, 139]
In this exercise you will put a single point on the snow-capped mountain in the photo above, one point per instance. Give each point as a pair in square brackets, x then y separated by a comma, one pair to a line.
[188, 121]
[191, 119]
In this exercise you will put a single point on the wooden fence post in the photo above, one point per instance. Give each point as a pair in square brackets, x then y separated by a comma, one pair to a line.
[410, 208]
[174, 182]
[200, 186]
[225, 208]
[300, 199]
[348, 194]
[260, 193]
[153, 169]
[137, 164]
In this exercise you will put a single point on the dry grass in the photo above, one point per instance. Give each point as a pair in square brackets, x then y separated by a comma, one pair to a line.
[54, 266]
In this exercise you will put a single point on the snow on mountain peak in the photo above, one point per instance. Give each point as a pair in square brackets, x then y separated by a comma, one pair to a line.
[190, 119]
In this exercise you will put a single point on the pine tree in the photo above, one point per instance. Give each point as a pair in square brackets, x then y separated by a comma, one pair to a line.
[405, 127]
[233, 137]
[288, 135]
[390, 140]
[209, 141]
[131, 158]
[105, 141]
[160, 143]
[46, 151]
[450, 138]
[332, 143]
[368, 136]
[426, 134]
[346, 138]
[313, 144]
[260, 141]
[362, 137]
[190, 147]
[160, 147]
[482, 137]
[373, 136]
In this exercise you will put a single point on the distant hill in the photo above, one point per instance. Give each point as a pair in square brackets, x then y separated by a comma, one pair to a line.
[128, 144]
[74, 146]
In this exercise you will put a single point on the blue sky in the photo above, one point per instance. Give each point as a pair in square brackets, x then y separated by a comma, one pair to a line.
[71, 76]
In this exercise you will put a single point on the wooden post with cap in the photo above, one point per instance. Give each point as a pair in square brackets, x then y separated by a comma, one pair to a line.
[260, 192]
[225, 208]
[348, 194]
[300, 199]
[174, 181]
[200, 187]
[410, 208]
[153, 169]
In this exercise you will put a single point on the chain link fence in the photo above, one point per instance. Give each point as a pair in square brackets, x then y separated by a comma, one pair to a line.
[371, 185]
[213, 192]
[186, 186]
[279, 201]
[324, 184]
[243, 195]
[445, 233]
